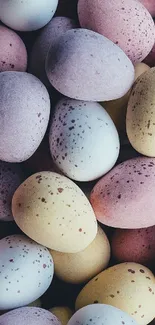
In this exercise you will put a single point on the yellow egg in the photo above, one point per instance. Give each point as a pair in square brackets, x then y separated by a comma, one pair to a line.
[62, 313]
[127, 286]
[82, 266]
[52, 210]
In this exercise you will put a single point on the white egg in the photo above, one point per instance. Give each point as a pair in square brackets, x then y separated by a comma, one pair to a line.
[27, 15]
[98, 314]
[83, 139]
[26, 271]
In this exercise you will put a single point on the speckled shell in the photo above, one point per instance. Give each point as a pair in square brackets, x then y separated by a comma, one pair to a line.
[27, 15]
[127, 286]
[76, 128]
[53, 211]
[125, 22]
[62, 313]
[101, 314]
[150, 6]
[134, 245]
[29, 315]
[120, 198]
[11, 177]
[81, 267]
[26, 271]
[24, 115]
[140, 120]
[150, 59]
[105, 71]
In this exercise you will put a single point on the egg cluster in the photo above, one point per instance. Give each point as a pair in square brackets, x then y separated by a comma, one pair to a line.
[77, 162]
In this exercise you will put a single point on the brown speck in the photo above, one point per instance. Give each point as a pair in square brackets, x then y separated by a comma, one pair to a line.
[60, 190]
[131, 271]
[96, 302]
[123, 323]
[11, 261]
[142, 271]
[44, 266]
[112, 296]
[80, 229]
[43, 199]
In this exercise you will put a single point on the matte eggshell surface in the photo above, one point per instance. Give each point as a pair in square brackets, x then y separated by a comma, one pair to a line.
[87, 66]
[125, 22]
[120, 198]
[53, 211]
[62, 313]
[26, 271]
[127, 286]
[150, 6]
[24, 115]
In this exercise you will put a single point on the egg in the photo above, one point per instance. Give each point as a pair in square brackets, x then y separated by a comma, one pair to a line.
[105, 71]
[27, 15]
[50, 33]
[120, 198]
[150, 59]
[76, 128]
[150, 6]
[137, 245]
[125, 22]
[54, 212]
[11, 176]
[62, 313]
[29, 315]
[101, 314]
[24, 115]
[26, 271]
[127, 286]
[36, 303]
[82, 266]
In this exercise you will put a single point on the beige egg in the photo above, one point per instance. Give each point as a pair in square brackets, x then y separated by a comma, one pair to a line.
[53, 211]
[82, 266]
[62, 313]
[140, 68]
[127, 286]
[140, 121]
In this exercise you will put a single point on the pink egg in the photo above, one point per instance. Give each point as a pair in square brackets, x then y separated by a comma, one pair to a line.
[150, 6]
[124, 198]
[125, 22]
[150, 59]
[13, 54]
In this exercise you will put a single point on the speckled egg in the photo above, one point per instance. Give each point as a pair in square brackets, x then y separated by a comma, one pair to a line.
[105, 72]
[150, 59]
[140, 120]
[76, 128]
[27, 15]
[13, 54]
[11, 176]
[62, 313]
[54, 29]
[120, 198]
[26, 271]
[81, 267]
[127, 286]
[24, 115]
[53, 211]
[150, 6]
[29, 315]
[137, 245]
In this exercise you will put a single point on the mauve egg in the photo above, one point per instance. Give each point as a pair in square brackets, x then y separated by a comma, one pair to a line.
[125, 22]
[150, 6]
[150, 59]
[24, 115]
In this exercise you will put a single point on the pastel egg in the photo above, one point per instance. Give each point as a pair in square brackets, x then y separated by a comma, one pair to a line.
[150, 6]
[26, 271]
[54, 212]
[125, 22]
[76, 128]
[110, 76]
[29, 315]
[120, 198]
[127, 286]
[24, 115]
[137, 245]
[27, 16]
[82, 266]
[11, 177]
[62, 313]
[13, 54]
[150, 59]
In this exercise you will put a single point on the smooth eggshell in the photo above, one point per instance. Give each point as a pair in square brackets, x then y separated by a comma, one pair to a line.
[150, 6]
[29, 315]
[26, 271]
[125, 22]
[134, 245]
[11, 176]
[140, 120]
[82, 266]
[24, 115]
[150, 59]
[105, 72]
[127, 286]
[53, 211]
[75, 129]
[62, 313]
[27, 15]
[120, 198]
